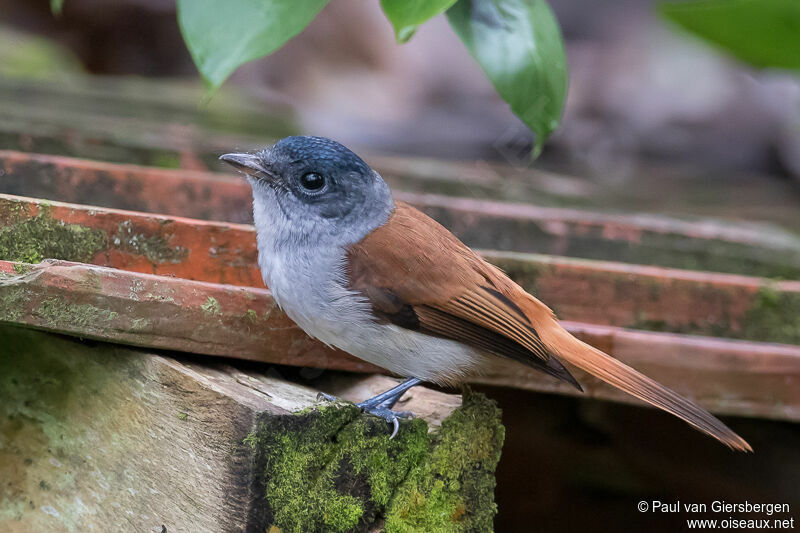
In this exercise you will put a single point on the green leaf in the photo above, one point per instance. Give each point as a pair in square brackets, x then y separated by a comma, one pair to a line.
[763, 33]
[518, 45]
[222, 35]
[407, 15]
[56, 6]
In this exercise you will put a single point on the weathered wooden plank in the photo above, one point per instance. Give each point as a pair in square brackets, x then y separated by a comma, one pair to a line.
[97, 437]
[732, 377]
[613, 294]
[644, 239]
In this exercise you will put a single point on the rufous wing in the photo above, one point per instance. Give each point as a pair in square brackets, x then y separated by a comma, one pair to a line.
[444, 289]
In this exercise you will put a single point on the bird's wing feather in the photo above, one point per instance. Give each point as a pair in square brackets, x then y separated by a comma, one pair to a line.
[418, 275]
[455, 299]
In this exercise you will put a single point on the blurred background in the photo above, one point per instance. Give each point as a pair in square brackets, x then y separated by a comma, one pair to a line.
[656, 121]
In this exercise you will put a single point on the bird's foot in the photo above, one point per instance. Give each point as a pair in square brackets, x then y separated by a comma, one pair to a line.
[382, 410]
[387, 414]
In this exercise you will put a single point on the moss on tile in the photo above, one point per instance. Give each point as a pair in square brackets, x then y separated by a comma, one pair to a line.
[31, 240]
[774, 316]
[12, 302]
[153, 246]
[60, 313]
[211, 307]
[22, 268]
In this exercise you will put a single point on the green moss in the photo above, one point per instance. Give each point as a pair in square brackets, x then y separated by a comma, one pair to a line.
[183, 416]
[59, 313]
[211, 307]
[335, 469]
[252, 316]
[31, 240]
[774, 316]
[166, 160]
[153, 246]
[12, 302]
[312, 462]
[454, 489]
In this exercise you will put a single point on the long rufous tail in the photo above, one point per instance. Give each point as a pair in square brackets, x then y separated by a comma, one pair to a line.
[620, 375]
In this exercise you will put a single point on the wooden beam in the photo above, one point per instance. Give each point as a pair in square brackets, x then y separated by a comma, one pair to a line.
[596, 292]
[732, 377]
[97, 437]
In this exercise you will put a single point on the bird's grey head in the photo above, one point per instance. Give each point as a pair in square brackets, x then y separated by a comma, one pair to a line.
[313, 190]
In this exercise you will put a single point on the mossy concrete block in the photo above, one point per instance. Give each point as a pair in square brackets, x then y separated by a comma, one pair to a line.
[99, 437]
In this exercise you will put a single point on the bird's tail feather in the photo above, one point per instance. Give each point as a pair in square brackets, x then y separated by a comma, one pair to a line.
[620, 375]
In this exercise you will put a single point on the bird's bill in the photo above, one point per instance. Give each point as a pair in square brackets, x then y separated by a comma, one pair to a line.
[246, 163]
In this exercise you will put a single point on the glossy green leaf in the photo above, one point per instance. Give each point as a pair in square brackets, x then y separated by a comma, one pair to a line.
[763, 33]
[407, 15]
[222, 35]
[518, 45]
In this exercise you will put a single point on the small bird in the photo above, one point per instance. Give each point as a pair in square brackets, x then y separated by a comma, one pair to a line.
[377, 278]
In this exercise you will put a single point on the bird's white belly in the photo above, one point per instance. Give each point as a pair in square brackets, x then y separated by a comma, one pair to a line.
[312, 290]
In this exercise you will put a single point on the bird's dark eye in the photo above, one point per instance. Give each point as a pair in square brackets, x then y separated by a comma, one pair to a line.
[312, 181]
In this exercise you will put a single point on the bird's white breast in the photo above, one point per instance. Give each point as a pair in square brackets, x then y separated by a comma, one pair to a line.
[311, 286]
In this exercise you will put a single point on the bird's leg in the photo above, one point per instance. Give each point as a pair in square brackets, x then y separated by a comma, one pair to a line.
[389, 398]
[388, 404]
[381, 405]
[385, 399]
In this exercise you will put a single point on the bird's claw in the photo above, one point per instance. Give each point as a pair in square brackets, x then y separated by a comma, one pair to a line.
[390, 416]
[379, 410]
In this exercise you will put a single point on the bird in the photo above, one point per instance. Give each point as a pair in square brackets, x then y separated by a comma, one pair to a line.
[379, 279]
